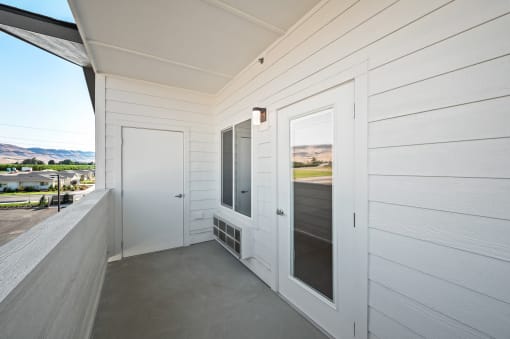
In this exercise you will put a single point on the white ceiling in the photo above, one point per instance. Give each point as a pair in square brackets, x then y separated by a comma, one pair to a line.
[194, 44]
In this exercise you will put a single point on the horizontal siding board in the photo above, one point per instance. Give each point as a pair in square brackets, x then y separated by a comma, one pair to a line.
[153, 89]
[202, 165]
[474, 196]
[477, 158]
[462, 50]
[202, 204]
[486, 315]
[119, 120]
[203, 195]
[207, 147]
[202, 175]
[203, 185]
[415, 316]
[154, 112]
[205, 135]
[484, 236]
[484, 275]
[479, 82]
[201, 156]
[386, 328]
[155, 101]
[479, 120]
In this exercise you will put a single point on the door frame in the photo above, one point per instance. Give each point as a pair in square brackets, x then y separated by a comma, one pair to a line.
[359, 75]
[185, 178]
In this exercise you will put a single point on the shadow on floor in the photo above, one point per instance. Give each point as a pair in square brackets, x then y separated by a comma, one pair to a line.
[192, 292]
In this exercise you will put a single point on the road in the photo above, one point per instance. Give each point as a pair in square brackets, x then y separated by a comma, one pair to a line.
[14, 222]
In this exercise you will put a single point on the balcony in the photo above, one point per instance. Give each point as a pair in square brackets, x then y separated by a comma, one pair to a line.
[199, 291]
[53, 275]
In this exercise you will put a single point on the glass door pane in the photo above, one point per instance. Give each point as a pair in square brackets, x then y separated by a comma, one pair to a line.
[243, 168]
[311, 147]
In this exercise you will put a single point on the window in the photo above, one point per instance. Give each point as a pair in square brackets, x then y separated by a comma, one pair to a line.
[236, 167]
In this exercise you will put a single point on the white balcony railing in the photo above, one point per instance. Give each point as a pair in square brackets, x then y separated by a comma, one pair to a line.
[51, 276]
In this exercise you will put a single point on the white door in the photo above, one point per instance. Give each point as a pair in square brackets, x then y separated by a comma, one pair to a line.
[316, 205]
[152, 183]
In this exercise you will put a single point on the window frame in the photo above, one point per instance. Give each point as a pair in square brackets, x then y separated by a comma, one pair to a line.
[231, 126]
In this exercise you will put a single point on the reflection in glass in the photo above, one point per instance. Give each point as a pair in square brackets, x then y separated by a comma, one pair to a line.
[243, 167]
[226, 167]
[311, 140]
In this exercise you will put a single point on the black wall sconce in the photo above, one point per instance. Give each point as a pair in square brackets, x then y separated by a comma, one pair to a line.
[259, 115]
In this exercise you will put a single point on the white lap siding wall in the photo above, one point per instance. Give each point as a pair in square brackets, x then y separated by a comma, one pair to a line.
[438, 148]
[132, 103]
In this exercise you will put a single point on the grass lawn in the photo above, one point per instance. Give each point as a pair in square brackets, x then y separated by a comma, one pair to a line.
[28, 193]
[311, 172]
[20, 204]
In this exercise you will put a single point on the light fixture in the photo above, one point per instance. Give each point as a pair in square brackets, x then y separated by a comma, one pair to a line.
[259, 115]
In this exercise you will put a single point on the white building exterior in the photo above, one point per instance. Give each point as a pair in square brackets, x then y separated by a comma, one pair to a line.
[35, 180]
[433, 96]
[429, 244]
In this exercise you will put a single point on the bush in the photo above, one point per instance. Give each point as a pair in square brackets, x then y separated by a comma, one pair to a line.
[30, 189]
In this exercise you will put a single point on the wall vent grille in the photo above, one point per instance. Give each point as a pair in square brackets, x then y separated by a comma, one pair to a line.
[228, 235]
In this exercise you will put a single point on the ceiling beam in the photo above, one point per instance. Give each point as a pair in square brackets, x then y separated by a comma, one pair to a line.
[243, 15]
[37, 23]
[154, 57]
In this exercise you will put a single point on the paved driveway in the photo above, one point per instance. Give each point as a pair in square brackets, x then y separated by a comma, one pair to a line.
[17, 221]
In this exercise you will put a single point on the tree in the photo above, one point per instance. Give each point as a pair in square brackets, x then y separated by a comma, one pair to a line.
[51, 162]
[33, 161]
[66, 162]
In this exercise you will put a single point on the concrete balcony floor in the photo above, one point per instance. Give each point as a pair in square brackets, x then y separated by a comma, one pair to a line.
[199, 291]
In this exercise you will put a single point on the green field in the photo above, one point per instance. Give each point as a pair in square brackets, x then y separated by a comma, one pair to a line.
[312, 172]
[3, 167]
[20, 204]
[28, 193]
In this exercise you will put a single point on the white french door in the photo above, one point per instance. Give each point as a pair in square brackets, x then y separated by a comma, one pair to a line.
[316, 205]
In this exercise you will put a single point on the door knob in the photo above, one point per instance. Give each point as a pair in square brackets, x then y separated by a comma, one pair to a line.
[280, 212]
[180, 195]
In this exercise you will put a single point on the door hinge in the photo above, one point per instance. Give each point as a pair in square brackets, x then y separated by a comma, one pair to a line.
[354, 219]
[354, 111]
[354, 329]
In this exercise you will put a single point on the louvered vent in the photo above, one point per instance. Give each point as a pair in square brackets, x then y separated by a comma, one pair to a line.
[228, 235]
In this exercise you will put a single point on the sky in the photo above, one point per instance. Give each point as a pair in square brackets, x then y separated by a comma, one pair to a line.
[44, 101]
[313, 129]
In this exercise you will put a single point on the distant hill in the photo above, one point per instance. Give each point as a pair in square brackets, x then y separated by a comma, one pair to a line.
[12, 153]
[306, 153]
